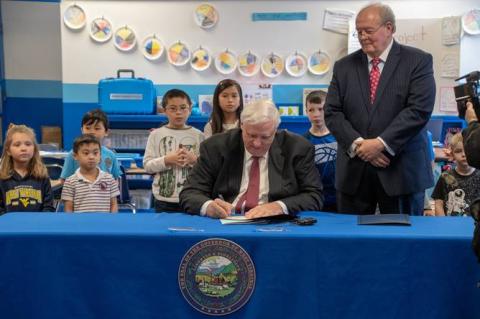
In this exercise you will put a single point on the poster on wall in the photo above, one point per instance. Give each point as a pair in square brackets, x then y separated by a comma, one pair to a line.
[253, 92]
[451, 30]
[205, 104]
[337, 20]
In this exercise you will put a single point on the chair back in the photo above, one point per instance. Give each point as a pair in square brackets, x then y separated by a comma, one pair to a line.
[54, 170]
[124, 200]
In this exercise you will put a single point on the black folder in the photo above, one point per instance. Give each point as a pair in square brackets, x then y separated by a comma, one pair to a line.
[384, 219]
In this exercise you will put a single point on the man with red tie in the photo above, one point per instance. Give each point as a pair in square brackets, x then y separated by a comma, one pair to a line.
[256, 170]
[378, 103]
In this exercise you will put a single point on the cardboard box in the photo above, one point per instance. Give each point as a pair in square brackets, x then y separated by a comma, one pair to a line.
[52, 134]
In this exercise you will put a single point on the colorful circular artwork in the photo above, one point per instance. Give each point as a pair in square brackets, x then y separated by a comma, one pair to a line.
[272, 65]
[178, 54]
[201, 59]
[101, 30]
[319, 63]
[206, 16]
[296, 64]
[125, 39]
[152, 48]
[74, 17]
[226, 62]
[471, 21]
[248, 64]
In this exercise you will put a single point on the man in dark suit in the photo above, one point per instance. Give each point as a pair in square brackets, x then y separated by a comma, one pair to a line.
[379, 101]
[286, 180]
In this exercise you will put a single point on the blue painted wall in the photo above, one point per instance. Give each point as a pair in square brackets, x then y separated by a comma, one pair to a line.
[2, 78]
[33, 112]
[35, 103]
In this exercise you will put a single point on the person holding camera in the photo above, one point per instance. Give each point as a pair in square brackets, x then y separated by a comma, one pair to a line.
[471, 137]
[471, 141]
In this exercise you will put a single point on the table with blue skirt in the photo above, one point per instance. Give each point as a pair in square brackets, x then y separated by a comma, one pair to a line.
[92, 265]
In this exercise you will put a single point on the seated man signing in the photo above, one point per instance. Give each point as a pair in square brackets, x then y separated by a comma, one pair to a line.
[254, 169]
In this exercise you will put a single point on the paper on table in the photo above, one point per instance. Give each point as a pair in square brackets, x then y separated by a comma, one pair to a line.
[237, 220]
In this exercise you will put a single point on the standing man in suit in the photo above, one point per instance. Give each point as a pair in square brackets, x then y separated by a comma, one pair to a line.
[254, 169]
[379, 101]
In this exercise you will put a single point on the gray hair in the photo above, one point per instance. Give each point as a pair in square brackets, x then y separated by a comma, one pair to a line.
[260, 111]
[385, 12]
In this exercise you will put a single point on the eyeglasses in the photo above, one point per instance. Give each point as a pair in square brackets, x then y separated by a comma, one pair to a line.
[367, 32]
[181, 108]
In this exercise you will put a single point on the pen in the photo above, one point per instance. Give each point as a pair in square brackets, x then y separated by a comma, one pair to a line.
[232, 210]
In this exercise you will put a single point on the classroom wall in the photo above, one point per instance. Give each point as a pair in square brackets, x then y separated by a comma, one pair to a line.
[52, 72]
[33, 68]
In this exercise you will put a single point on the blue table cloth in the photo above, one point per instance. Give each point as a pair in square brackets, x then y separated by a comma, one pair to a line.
[55, 265]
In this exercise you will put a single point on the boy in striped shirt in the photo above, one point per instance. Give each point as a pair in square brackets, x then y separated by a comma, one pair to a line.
[89, 189]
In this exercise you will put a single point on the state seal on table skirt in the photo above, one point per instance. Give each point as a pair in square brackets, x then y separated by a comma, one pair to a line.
[216, 276]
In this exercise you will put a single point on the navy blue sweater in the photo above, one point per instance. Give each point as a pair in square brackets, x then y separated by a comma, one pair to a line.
[25, 194]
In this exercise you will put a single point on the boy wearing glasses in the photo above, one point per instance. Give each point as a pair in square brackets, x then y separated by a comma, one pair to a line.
[171, 151]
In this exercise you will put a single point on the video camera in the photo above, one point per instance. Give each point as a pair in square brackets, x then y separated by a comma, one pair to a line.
[468, 91]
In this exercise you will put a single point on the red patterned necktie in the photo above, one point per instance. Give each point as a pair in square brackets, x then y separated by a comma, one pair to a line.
[374, 78]
[250, 197]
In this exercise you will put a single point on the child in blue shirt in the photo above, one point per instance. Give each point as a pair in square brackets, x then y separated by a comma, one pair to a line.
[325, 147]
[94, 122]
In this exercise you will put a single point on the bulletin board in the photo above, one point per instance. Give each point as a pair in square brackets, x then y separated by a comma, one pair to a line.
[426, 34]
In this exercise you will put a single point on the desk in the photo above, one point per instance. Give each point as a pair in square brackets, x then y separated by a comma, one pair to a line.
[126, 266]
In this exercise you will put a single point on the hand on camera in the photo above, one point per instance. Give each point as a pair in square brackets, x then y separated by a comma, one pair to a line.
[470, 113]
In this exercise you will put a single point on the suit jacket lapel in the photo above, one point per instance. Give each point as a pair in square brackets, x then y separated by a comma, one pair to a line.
[388, 69]
[363, 79]
[275, 166]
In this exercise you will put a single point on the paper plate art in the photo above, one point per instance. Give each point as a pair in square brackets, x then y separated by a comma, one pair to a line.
[319, 63]
[201, 59]
[226, 62]
[152, 48]
[296, 64]
[74, 17]
[248, 64]
[178, 54]
[272, 65]
[206, 16]
[101, 30]
[125, 39]
[471, 21]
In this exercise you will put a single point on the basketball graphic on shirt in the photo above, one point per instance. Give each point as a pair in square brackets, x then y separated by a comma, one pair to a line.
[325, 153]
[166, 181]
